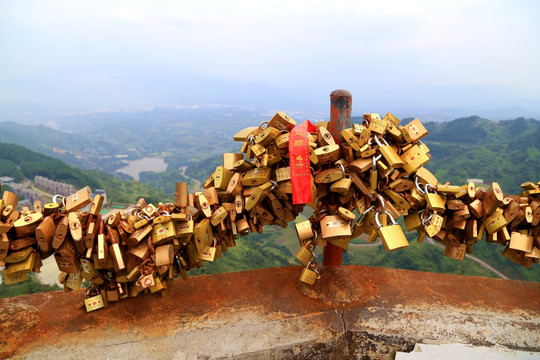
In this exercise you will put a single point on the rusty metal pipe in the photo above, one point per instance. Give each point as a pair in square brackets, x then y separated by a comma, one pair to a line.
[340, 118]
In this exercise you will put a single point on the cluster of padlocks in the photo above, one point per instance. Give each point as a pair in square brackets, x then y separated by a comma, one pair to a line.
[378, 172]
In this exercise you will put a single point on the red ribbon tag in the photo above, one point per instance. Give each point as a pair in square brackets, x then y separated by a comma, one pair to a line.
[300, 163]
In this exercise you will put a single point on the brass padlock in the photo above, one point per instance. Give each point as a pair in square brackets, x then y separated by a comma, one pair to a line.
[327, 154]
[435, 225]
[258, 194]
[222, 177]
[342, 186]
[229, 159]
[329, 176]
[521, 242]
[414, 131]
[414, 158]
[164, 255]
[495, 221]
[94, 303]
[209, 254]
[26, 265]
[184, 228]
[324, 137]
[45, 234]
[389, 153]
[282, 121]
[455, 251]
[257, 176]
[392, 236]
[310, 274]
[26, 225]
[218, 215]
[162, 233]
[334, 226]
[73, 281]
[18, 256]
[79, 200]
[351, 139]
[267, 136]
[305, 254]
[203, 235]
[283, 174]
[434, 201]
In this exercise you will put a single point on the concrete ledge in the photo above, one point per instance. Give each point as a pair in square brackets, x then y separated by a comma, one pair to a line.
[261, 314]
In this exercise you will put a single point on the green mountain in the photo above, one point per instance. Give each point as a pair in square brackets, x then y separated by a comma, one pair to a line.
[18, 162]
[507, 152]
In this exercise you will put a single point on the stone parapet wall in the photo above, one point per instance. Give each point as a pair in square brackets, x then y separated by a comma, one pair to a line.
[264, 314]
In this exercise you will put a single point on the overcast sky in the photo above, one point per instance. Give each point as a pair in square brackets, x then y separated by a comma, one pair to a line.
[159, 52]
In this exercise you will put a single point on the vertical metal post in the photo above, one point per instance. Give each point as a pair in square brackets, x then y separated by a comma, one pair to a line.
[340, 118]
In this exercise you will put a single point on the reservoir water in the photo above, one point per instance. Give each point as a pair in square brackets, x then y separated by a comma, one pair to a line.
[135, 167]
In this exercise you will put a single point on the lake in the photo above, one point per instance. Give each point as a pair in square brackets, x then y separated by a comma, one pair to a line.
[135, 167]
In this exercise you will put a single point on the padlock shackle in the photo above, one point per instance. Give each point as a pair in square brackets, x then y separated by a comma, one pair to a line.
[378, 223]
[55, 197]
[418, 185]
[378, 141]
[375, 159]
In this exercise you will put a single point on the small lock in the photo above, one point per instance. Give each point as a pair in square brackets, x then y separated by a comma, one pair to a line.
[334, 226]
[392, 236]
[391, 156]
[434, 201]
[342, 186]
[310, 274]
[329, 176]
[305, 254]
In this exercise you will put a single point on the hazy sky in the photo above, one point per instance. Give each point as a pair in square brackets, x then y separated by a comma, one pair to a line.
[172, 52]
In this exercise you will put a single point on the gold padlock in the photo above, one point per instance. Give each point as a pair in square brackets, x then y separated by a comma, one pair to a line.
[258, 194]
[414, 158]
[163, 232]
[257, 176]
[495, 221]
[309, 274]
[389, 153]
[342, 186]
[392, 236]
[305, 254]
[73, 281]
[79, 200]
[282, 121]
[24, 266]
[26, 225]
[218, 215]
[229, 159]
[455, 251]
[521, 242]
[329, 176]
[94, 303]
[267, 136]
[324, 137]
[164, 255]
[283, 174]
[203, 235]
[327, 154]
[414, 131]
[434, 201]
[350, 138]
[435, 225]
[334, 226]
[222, 176]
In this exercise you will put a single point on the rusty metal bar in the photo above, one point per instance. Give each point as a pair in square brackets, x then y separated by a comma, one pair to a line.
[340, 118]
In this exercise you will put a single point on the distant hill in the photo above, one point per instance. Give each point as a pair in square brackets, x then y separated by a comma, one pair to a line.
[19, 162]
[507, 151]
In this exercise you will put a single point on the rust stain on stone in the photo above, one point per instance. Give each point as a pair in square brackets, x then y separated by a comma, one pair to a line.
[31, 321]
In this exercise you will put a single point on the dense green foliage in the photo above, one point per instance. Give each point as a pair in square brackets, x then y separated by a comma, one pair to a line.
[23, 162]
[507, 152]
